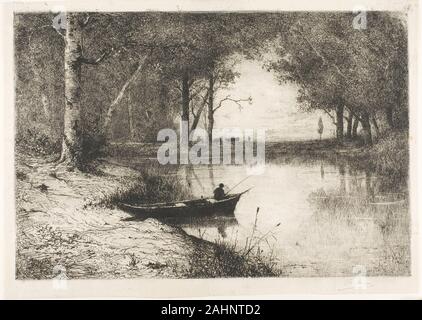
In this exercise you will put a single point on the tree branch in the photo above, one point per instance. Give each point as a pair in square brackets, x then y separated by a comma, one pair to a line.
[236, 101]
[192, 110]
[191, 82]
[121, 93]
[330, 115]
[200, 110]
[197, 92]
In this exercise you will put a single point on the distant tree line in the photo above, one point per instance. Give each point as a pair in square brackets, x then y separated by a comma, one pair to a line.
[357, 76]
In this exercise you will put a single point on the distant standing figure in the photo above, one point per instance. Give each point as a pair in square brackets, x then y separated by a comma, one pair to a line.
[219, 192]
[320, 128]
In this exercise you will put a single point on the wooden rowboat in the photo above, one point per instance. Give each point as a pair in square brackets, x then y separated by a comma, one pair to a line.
[197, 207]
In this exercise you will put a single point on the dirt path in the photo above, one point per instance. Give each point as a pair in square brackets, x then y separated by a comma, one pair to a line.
[57, 231]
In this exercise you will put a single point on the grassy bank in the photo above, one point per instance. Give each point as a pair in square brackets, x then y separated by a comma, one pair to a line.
[389, 155]
[65, 221]
[151, 184]
[226, 260]
[70, 219]
[207, 259]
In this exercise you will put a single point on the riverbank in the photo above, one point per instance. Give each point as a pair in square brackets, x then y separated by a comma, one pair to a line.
[66, 220]
[61, 229]
[273, 149]
[389, 155]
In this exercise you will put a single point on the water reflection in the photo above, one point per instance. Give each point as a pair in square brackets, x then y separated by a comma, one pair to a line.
[318, 217]
[332, 216]
[322, 171]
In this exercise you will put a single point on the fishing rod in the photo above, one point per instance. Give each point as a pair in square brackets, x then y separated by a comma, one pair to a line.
[237, 184]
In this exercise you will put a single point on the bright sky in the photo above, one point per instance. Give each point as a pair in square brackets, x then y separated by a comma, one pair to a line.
[273, 107]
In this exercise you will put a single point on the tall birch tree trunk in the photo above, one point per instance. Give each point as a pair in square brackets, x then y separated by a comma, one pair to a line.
[72, 138]
[46, 107]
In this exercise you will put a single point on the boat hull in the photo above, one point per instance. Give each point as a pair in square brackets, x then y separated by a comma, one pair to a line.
[200, 207]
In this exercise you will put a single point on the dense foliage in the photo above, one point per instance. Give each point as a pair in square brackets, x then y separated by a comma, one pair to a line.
[159, 67]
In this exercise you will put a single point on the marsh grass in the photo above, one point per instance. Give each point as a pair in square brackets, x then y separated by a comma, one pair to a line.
[378, 221]
[390, 155]
[226, 260]
[232, 259]
[154, 184]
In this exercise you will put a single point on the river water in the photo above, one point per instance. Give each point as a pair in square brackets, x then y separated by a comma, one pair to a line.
[315, 218]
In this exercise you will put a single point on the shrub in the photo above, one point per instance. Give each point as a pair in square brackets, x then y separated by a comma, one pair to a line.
[92, 146]
[154, 184]
[228, 260]
[390, 155]
[37, 140]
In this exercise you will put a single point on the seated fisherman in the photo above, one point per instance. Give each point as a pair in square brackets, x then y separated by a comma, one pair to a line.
[219, 192]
